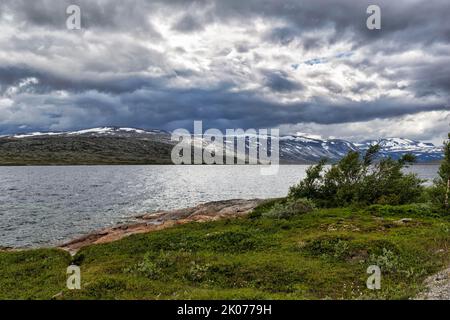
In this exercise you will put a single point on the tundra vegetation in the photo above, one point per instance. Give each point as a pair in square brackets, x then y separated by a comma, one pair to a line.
[316, 243]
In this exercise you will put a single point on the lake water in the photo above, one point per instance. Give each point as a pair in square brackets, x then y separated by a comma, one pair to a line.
[43, 206]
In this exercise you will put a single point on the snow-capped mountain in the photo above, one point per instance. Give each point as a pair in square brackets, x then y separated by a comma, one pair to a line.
[396, 147]
[100, 131]
[308, 149]
[312, 148]
[131, 145]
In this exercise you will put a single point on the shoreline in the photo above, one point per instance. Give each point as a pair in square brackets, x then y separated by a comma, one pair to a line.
[150, 222]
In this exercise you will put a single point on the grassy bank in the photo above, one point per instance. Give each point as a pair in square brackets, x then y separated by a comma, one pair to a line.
[317, 255]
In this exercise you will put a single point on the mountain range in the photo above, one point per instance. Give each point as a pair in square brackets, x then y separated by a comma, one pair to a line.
[114, 145]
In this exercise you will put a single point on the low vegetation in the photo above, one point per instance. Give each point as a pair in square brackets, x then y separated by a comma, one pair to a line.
[319, 254]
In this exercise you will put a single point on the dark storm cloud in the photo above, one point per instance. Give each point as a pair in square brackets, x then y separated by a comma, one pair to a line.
[250, 111]
[168, 109]
[278, 81]
[403, 21]
[48, 82]
[431, 79]
[123, 70]
[107, 15]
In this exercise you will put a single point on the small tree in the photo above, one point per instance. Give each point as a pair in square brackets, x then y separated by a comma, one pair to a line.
[444, 171]
[386, 183]
[442, 183]
[356, 179]
[310, 186]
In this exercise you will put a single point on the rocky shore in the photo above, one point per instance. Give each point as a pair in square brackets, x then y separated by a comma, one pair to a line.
[165, 219]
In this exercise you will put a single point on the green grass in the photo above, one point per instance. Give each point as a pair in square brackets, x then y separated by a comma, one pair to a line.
[323, 254]
[33, 274]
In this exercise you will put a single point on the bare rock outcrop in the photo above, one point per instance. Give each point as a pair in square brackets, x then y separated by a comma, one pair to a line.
[210, 211]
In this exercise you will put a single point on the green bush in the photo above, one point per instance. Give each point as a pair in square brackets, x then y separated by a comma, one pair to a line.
[388, 261]
[289, 209]
[198, 272]
[105, 288]
[360, 180]
[264, 207]
[154, 266]
[329, 247]
[407, 210]
[234, 240]
[441, 190]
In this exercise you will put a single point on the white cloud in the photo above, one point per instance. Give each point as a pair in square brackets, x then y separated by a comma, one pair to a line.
[426, 126]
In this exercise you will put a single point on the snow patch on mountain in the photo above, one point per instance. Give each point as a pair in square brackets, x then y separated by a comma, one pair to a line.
[396, 147]
[92, 131]
[299, 148]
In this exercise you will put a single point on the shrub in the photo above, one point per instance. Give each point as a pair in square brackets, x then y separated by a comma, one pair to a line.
[441, 190]
[153, 267]
[232, 241]
[289, 209]
[329, 246]
[358, 180]
[264, 207]
[407, 210]
[387, 184]
[198, 272]
[106, 288]
[311, 185]
[388, 261]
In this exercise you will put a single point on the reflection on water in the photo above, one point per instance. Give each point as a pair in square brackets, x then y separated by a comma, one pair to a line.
[46, 205]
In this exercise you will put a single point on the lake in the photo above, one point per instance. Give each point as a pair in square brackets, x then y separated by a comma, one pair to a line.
[43, 206]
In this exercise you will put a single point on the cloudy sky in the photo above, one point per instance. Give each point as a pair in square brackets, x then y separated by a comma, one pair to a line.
[303, 66]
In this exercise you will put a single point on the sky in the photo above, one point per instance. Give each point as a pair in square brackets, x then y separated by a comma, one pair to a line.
[310, 67]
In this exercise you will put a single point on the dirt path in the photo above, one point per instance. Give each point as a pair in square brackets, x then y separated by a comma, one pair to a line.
[437, 287]
[165, 219]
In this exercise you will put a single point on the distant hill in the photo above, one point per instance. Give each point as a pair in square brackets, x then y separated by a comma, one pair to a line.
[93, 146]
[112, 145]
